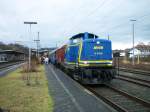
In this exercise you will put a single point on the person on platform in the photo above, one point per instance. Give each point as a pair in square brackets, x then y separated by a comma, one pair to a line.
[46, 60]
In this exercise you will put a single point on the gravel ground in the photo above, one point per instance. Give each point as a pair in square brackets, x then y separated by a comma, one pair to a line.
[136, 90]
[136, 66]
[144, 77]
[121, 100]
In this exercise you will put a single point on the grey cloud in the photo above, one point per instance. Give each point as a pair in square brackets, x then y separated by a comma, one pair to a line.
[60, 19]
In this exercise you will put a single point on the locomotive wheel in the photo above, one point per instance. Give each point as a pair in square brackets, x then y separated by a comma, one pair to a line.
[81, 76]
[109, 77]
[74, 75]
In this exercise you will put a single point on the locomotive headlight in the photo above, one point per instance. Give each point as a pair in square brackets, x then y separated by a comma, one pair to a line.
[85, 62]
[98, 42]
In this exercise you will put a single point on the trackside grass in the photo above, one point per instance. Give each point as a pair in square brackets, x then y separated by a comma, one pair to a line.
[16, 96]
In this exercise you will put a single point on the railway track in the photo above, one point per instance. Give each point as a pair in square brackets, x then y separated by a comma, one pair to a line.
[120, 100]
[141, 72]
[134, 80]
[6, 69]
[5, 65]
[135, 76]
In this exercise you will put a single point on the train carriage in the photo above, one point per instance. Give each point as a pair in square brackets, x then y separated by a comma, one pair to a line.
[60, 56]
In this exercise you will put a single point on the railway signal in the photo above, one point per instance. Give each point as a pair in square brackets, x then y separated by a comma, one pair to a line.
[117, 55]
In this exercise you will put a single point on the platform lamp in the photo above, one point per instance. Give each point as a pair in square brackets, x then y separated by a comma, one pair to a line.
[133, 33]
[30, 23]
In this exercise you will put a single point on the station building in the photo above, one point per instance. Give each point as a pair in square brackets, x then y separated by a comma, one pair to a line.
[11, 55]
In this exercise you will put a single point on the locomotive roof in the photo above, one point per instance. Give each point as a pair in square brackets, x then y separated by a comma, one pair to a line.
[81, 35]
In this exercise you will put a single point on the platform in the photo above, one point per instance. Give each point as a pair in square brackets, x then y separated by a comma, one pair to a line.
[69, 96]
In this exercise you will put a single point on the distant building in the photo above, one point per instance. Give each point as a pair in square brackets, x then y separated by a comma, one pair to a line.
[136, 52]
[2, 56]
[11, 55]
[140, 50]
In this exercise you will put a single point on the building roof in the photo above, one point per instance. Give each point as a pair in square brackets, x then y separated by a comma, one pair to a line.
[140, 47]
[10, 52]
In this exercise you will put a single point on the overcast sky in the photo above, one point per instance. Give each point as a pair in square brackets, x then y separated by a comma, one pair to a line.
[60, 19]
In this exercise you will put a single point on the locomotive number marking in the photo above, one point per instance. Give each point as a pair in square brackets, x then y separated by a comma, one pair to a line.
[98, 53]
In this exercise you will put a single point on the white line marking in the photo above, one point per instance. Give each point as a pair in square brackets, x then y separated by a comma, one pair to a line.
[67, 91]
[89, 92]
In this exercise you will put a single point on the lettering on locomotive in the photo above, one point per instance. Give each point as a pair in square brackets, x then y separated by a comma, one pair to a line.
[98, 47]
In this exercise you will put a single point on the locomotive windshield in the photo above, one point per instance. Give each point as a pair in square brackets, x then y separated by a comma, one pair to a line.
[84, 36]
[91, 36]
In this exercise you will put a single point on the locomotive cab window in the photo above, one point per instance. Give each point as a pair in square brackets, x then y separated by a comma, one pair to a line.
[74, 41]
[91, 36]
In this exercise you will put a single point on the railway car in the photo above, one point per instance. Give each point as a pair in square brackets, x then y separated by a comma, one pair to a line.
[86, 58]
[60, 56]
[52, 57]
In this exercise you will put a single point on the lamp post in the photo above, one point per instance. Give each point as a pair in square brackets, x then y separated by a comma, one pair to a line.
[133, 20]
[30, 23]
[38, 45]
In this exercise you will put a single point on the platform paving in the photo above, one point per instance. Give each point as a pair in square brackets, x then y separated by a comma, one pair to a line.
[69, 96]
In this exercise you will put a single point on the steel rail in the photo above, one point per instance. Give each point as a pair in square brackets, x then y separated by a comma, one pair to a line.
[139, 100]
[108, 101]
[10, 64]
[133, 81]
[142, 80]
[135, 71]
[113, 104]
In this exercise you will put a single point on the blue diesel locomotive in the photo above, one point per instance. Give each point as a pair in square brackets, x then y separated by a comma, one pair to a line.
[87, 59]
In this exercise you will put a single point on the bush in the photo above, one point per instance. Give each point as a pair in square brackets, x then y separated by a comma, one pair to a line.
[33, 67]
[28, 73]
